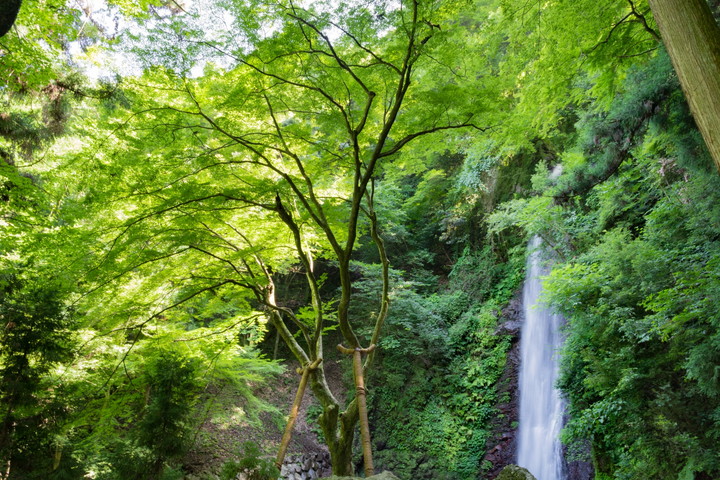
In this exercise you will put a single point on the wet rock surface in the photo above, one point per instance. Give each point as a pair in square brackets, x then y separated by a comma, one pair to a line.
[513, 472]
[502, 445]
[579, 469]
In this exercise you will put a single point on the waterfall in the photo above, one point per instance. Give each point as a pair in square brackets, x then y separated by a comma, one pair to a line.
[541, 407]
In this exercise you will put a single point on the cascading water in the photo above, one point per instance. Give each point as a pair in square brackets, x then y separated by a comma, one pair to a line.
[541, 406]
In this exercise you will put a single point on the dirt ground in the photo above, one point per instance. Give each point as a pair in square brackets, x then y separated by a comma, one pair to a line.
[224, 430]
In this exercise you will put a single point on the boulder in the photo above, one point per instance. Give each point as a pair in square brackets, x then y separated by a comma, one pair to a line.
[380, 476]
[513, 472]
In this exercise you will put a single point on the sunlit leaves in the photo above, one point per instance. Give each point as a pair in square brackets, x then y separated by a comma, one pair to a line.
[560, 54]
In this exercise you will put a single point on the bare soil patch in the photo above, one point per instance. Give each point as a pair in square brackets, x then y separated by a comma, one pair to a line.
[229, 425]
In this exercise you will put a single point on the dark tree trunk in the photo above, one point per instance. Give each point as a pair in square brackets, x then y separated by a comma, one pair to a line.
[8, 12]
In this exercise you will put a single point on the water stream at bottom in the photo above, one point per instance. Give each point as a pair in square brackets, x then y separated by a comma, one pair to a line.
[541, 406]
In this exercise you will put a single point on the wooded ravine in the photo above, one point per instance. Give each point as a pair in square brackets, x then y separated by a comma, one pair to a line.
[233, 232]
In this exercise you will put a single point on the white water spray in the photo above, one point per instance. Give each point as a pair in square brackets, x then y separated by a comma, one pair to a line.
[541, 406]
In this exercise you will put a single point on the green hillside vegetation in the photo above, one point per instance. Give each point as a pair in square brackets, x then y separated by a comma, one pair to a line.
[197, 198]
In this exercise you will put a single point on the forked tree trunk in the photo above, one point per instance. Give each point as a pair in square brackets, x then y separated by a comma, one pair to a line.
[338, 427]
[692, 38]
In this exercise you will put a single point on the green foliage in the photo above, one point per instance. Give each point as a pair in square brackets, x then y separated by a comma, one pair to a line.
[142, 421]
[440, 361]
[172, 388]
[35, 339]
[561, 55]
[632, 363]
[251, 466]
[31, 50]
[314, 412]
[633, 216]
[167, 211]
[436, 409]
[499, 280]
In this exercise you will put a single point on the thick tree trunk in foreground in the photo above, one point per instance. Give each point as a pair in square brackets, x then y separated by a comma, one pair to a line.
[8, 13]
[338, 427]
[692, 38]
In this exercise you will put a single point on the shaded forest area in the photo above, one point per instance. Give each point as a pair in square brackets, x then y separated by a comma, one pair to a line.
[197, 198]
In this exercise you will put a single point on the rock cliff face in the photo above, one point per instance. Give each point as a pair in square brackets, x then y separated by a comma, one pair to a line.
[579, 469]
[502, 445]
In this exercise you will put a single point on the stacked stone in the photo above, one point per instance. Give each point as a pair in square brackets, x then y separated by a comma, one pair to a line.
[308, 466]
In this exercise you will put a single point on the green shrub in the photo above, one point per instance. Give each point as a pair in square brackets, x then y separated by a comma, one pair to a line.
[251, 465]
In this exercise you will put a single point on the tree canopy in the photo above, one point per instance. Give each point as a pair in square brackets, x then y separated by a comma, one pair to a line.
[182, 181]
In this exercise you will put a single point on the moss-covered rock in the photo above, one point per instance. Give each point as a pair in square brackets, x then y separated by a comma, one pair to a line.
[513, 472]
[380, 476]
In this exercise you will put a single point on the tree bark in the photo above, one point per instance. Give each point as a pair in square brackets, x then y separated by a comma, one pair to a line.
[692, 38]
[285, 442]
[8, 14]
[362, 409]
[361, 402]
[338, 428]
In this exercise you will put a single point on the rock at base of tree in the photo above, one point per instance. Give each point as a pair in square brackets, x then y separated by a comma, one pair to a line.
[380, 476]
[513, 472]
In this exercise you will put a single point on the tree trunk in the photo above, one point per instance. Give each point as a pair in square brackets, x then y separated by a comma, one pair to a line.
[338, 428]
[341, 448]
[692, 38]
[285, 442]
[362, 410]
[8, 13]
[360, 400]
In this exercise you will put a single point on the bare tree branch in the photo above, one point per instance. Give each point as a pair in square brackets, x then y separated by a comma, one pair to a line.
[408, 138]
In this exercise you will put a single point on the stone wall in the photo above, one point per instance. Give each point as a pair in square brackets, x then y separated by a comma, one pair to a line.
[308, 466]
